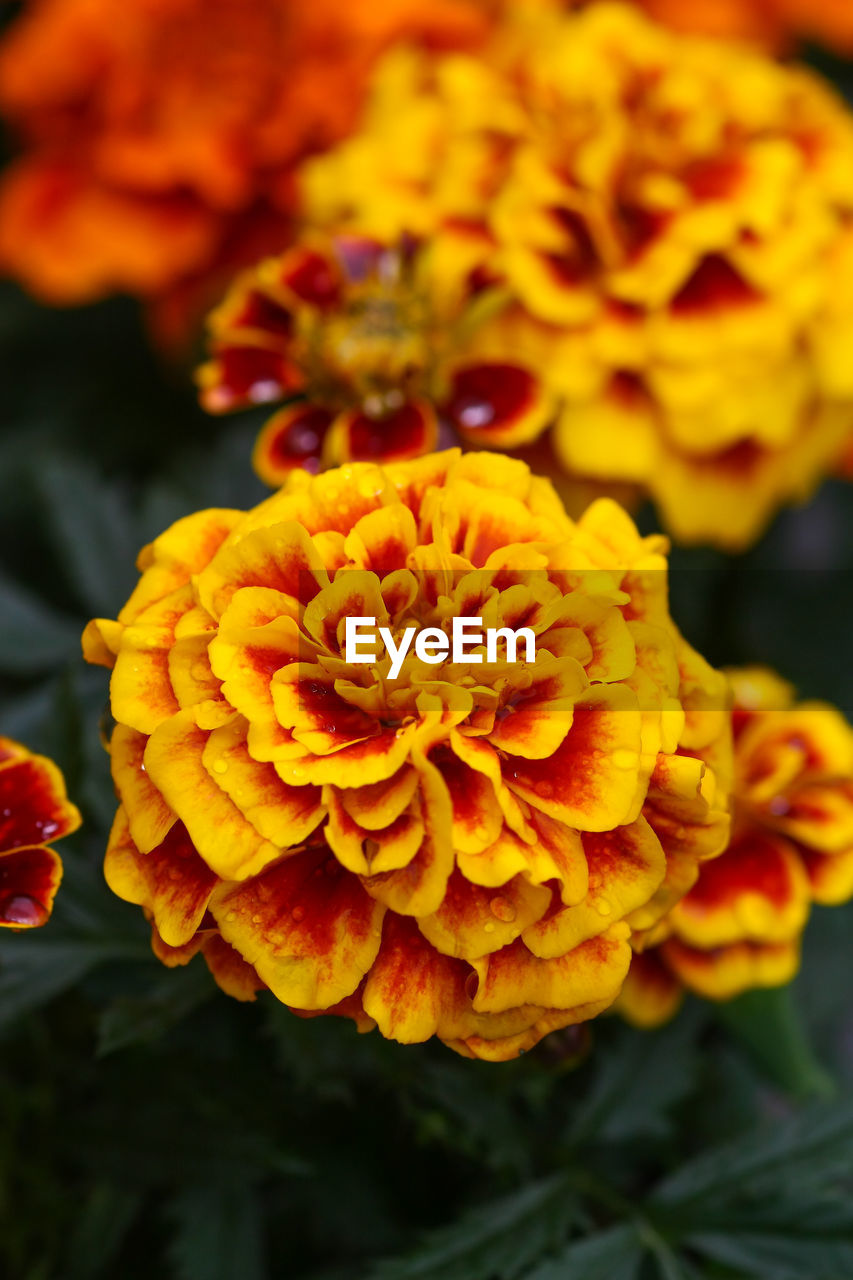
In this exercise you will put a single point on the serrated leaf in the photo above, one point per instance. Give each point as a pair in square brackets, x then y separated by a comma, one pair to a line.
[218, 1233]
[768, 1025]
[614, 1254]
[33, 636]
[92, 533]
[630, 1096]
[497, 1241]
[777, 1257]
[813, 1147]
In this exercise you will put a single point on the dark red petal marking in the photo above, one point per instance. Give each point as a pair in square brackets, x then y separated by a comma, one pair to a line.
[714, 178]
[404, 433]
[490, 396]
[640, 228]
[249, 375]
[714, 285]
[259, 311]
[581, 256]
[311, 277]
[297, 440]
[32, 810]
[755, 863]
[28, 880]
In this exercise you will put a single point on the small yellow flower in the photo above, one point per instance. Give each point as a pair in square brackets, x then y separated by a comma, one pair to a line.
[460, 848]
[673, 219]
[791, 845]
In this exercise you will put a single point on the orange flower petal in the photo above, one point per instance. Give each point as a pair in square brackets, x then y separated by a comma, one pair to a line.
[590, 782]
[34, 806]
[651, 995]
[473, 922]
[757, 890]
[171, 881]
[306, 925]
[174, 760]
[592, 972]
[29, 879]
[149, 816]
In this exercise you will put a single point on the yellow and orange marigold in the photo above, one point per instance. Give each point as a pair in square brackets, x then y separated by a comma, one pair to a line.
[34, 808]
[157, 149]
[672, 218]
[791, 845]
[376, 350]
[463, 851]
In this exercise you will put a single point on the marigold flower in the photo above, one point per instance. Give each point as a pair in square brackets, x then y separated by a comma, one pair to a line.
[673, 220]
[462, 851]
[775, 23]
[158, 147]
[34, 808]
[791, 845]
[372, 345]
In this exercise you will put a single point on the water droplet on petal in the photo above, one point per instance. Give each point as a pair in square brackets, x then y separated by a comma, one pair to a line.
[220, 766]
[298, 913]
[20, 908]
[488, 927]
[503, 909]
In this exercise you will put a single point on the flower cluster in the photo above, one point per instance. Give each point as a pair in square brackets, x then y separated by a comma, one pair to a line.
[157, 150]
[375, 348]
[34, 808]
[463, 851]
[791, 845]
[672, 219]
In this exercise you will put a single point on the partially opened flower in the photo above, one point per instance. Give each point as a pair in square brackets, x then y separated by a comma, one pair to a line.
[157, 149]
[34, 808]
[451, 844]
[791, 845]
[376, 348]
[672, 218]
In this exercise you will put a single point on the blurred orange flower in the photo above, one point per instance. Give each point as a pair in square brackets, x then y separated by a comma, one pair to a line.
[461, 849]
[791, 845]
[34, 808]
[157, 143]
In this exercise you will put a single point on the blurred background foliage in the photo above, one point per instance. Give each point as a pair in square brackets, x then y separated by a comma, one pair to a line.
[149, 1125]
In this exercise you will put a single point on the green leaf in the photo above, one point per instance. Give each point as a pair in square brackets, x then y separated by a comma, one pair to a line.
[33, 637]
[131, 1020]
[778, 1257]
[218, 1233]
[630, 1095]
[812, 1149]
[102, 1223]
[497, 1241]
[767, 1023]
[88, 928]
[614, 1254]
[92, 532]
